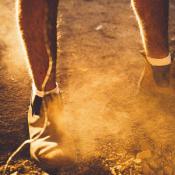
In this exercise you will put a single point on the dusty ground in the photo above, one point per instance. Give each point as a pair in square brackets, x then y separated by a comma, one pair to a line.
[115, 130]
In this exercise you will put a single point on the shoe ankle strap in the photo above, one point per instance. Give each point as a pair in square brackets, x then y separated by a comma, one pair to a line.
[43, 93]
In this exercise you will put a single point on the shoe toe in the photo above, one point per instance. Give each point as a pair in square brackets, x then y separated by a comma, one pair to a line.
[151, 82]
[50, 155]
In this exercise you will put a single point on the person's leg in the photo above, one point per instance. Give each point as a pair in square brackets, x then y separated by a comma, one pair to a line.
[152, 17]
[37, 20]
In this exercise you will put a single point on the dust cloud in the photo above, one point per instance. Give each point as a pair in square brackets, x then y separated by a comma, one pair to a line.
[98, 71]
[13, 55]
[95, 111]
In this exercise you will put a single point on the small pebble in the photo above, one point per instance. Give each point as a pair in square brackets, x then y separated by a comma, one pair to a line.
[144, 155]
[99, 27]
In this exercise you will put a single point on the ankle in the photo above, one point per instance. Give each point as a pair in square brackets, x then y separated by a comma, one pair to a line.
[50, 86]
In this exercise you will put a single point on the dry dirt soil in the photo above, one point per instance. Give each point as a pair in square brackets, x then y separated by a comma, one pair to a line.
[115, 129]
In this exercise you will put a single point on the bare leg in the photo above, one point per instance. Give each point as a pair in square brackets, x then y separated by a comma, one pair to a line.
[152, 16]
[48, 146]
[153, 20]
[37, 20]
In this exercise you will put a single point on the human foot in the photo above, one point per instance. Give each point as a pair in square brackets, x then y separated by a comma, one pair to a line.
[156, 79]
[47, 147]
